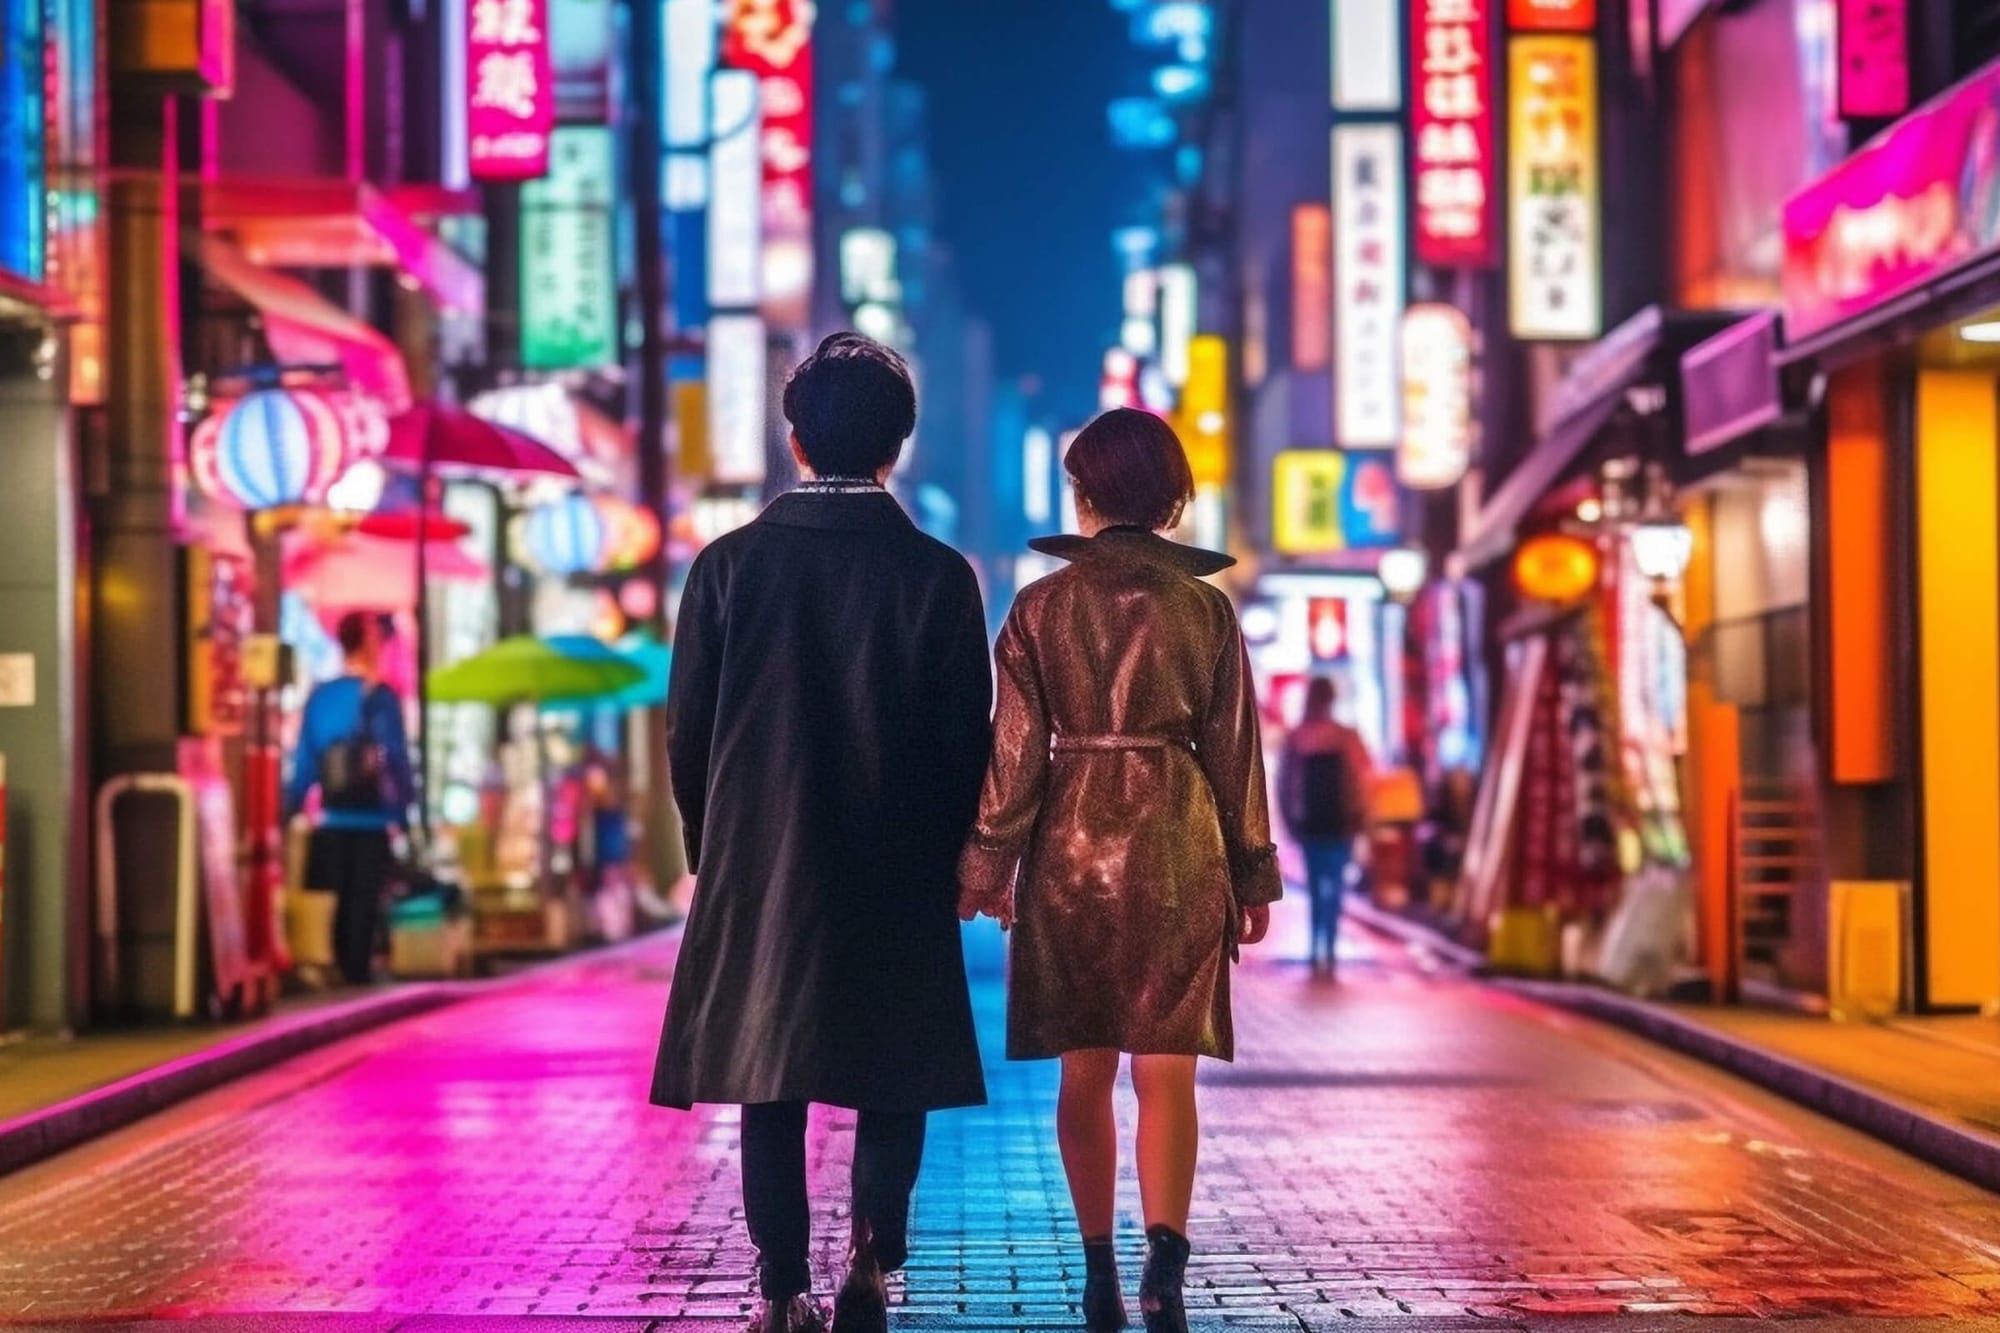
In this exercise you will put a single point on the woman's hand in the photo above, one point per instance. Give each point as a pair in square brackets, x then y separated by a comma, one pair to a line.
[1256, 924]
[999, 906]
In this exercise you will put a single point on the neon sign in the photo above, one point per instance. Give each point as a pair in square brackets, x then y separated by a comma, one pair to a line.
[510, 89]
[1911, 206]
[772, 40]
[1451, 120]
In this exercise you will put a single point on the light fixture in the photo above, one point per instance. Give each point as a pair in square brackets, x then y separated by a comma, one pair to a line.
[1662, 550]
[1985, 331]
[1403, 571]
[359, 489]
[1590, 510]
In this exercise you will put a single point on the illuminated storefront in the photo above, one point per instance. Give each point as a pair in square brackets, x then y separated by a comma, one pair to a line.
[1892, 275]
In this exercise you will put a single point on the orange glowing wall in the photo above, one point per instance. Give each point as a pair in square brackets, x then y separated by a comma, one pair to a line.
[1857, 547]
[1958, 577]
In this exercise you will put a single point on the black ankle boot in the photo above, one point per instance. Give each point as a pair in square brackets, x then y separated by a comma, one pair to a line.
[863, 1303]
[1160, 1299]
[1103, 1301]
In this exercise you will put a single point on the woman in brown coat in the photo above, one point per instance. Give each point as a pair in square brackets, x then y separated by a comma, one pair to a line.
[1127, 790]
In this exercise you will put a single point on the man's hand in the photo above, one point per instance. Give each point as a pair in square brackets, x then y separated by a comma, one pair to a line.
[1256, 924]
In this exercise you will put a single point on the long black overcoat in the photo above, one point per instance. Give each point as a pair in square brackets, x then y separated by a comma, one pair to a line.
[830, 710]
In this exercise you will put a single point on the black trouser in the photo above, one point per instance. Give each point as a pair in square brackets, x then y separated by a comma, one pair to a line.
[356, 865]
[888, 1150]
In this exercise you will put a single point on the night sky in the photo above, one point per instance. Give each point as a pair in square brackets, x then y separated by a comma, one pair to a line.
[1030, 188]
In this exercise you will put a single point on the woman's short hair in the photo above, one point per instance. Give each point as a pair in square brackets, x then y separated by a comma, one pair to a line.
[851, 405]
[1129, 467]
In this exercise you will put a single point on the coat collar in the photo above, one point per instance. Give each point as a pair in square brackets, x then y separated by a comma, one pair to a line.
[1135, 543]
[845, 511]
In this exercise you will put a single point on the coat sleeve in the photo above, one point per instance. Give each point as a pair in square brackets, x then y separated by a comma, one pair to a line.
[1231, 752]
[1011, 800]
[965, 720]
[691, 702]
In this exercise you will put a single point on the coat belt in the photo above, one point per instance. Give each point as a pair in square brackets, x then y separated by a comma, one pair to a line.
[1095, 744]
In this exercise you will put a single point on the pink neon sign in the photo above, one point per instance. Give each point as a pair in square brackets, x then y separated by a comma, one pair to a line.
[1874, 58]
[510, 89]
[1913, 205]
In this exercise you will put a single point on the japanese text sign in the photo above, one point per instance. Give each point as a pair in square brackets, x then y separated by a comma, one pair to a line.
[510, 89]
[1451, 119]
[772, 39]
[1555, 241]
[1368, 279]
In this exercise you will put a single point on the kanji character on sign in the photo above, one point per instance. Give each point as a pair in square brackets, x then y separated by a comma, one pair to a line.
[504, 23]
[506, 81]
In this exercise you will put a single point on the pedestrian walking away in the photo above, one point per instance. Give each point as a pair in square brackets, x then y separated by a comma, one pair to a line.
[1323, 779]
[355, 752]
[1124, 836]
[829, 707]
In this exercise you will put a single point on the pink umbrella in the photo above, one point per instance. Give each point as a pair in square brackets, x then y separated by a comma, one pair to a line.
[435, 437]
[359, 571]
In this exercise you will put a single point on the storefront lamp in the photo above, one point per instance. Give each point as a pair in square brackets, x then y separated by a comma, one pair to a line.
[564, 537]
[631, 533]
[1403, 572]
[1555, 567]
[275, 448]
[1662, 550]
[1985, 331]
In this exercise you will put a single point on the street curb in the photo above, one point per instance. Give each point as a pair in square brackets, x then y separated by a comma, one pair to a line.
[1920, 1133]
[1965, 1153]
[38, 1135]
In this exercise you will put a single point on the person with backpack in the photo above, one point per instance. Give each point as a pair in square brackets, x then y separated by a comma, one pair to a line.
[353, 748]
[1322, 781]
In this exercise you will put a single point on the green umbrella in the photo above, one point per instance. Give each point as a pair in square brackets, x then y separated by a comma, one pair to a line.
[529, 670]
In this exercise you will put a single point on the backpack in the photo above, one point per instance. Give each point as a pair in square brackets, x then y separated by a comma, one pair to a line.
[1322, 797]
[354, 770]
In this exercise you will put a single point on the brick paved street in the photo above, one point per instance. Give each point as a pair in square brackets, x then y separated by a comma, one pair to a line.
[1402, 1145]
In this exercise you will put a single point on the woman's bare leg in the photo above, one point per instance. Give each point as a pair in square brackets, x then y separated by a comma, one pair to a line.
[1169, 1137]
[1088, 1135]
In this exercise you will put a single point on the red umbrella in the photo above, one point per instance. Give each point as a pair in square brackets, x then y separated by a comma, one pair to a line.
[438, 437]
[407, 525]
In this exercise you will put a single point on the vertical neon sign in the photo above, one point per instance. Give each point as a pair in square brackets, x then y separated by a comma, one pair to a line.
[510, 90]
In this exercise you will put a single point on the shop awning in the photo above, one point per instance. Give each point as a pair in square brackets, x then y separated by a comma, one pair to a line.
[1640, 358]
[304, 328]
[309, 222]
[1730, 384]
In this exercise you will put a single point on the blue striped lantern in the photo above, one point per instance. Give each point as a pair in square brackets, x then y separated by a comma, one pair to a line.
[275, 447]
[565, 537]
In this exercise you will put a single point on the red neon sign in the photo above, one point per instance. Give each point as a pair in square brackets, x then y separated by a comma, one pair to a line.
[1552, 15]
[509, 89]
[1451, 49]
[772, 39]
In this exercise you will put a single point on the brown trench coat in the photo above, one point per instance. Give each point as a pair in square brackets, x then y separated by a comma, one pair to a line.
[1127, 784]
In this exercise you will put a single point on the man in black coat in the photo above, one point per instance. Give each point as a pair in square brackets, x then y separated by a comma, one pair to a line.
[830, 698]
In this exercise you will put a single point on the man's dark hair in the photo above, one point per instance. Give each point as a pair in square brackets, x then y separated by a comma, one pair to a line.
[353, 631]
[851, 404]
[1320, 696]
[1129, 466]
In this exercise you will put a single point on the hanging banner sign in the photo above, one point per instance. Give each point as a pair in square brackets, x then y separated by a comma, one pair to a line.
[1367, 55]
[1437, 398]
[510, 89]
[1312, 287]
[1451, 127]
[1555, 242]
[1368, 275]
[580, 47]
[1917, 202]
[772, 39]
[1874, 59]
[569, 295]
[738, 354]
